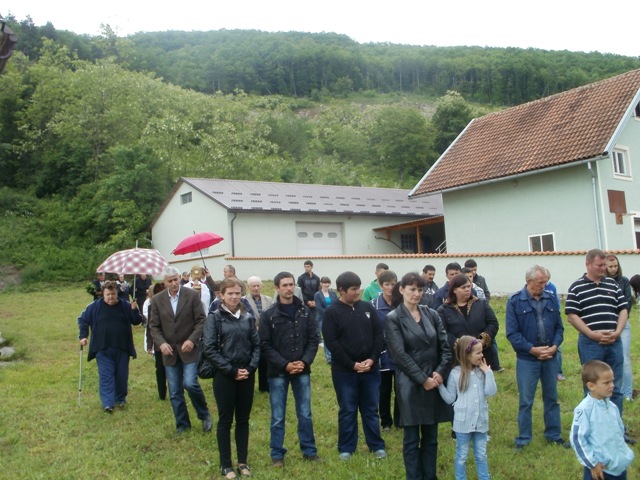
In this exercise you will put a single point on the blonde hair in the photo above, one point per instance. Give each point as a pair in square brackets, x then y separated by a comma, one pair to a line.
[463, 347]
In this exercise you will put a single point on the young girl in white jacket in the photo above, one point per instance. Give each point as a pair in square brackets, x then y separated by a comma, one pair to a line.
[470, 383]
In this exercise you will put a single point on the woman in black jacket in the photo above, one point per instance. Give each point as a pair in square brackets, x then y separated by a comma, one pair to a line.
[418, 344]
[463, 314]
[232, 344]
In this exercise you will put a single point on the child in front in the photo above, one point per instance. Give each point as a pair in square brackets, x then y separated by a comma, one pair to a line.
[470, 383]
[597, 432]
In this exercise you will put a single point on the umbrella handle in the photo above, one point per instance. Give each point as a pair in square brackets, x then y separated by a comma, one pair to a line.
[80, 376]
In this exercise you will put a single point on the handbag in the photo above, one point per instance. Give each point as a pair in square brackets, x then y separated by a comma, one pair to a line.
[206, 369]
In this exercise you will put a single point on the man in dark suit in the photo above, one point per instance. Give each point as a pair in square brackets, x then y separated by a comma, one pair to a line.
[177, 318]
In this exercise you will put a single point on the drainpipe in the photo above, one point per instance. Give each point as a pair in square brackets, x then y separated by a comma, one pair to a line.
[233, 243]
[595, 204]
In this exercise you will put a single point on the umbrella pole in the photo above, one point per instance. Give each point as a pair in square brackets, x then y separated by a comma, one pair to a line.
[204, 264]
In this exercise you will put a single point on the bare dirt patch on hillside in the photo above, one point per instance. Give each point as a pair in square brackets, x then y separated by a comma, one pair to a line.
[9, 275]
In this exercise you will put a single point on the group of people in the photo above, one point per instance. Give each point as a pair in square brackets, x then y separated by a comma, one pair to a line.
[437, 345]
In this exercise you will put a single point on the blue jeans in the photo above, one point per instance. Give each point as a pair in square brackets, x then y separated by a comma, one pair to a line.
[278, 391]
[627, 377]
[113, 376]
[420, 451]
[357, 391]
[479, 453]
[528, 373]
[183, 376]
[610, 354]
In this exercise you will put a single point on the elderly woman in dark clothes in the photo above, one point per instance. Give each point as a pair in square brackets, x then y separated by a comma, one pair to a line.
[109, 320]
[418, 344]
[463, 314]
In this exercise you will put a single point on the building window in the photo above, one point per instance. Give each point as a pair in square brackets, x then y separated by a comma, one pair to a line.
[408, 243]
[544, 242]
[637, 111]
[185, 198]
[620, 159]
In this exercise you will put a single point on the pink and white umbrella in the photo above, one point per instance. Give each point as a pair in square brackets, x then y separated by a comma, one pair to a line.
[134, 261]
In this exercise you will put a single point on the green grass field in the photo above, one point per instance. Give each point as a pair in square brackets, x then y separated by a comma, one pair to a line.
[45, 434]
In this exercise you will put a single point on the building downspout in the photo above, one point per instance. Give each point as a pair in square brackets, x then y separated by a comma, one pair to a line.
[233, 243]
[595, 204]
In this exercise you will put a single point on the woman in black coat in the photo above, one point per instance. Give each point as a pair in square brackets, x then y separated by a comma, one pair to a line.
[463, 314]
[418, 344]
[232, 345]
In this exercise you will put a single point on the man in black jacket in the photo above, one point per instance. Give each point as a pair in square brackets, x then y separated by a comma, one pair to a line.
[352, 333]
[289, 342]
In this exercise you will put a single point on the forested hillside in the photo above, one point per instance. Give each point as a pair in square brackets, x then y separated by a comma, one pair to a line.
[94, 131]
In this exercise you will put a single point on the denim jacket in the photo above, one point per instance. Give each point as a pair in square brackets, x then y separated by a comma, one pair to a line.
[522, 324]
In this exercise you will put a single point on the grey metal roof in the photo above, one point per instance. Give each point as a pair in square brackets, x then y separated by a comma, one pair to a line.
[251, 196]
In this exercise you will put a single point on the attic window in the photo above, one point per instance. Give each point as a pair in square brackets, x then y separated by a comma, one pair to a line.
[544, 242]
[620, 159]
[185, 198]
[637, 111]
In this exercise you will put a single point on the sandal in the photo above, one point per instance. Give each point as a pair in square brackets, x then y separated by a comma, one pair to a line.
[244, 470]
[227, 471]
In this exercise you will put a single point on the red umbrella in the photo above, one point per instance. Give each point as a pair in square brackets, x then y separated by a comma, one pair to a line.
[134, 261]
[196, 242]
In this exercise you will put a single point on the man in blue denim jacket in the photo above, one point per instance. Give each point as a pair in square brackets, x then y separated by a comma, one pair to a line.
[535, 330]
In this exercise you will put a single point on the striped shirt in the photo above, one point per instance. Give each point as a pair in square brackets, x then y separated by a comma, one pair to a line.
[597, 304]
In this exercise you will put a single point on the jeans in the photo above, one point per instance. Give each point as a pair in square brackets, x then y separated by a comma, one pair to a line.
[607, 476]
[357, 391]
[386, 388]
[183, 376]
[420, 451]
[113, 376]
[528, 373]
[278, 391]
[479, 453]
[627, 378]
[234, 398]
[610, 354]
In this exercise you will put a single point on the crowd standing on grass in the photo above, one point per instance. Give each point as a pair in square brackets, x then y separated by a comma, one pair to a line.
[395, 348]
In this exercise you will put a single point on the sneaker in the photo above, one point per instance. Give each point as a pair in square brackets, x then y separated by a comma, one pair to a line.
[380, 454]
[277, 462]
[635, 393]
[385, 429]
[559, 441]
[561, 377]
[519, 447]
[628, 440]
[108, 409]
[312, 458]
[344, 456]
[321, 344]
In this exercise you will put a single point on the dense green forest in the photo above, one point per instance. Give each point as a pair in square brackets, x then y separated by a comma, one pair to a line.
[94, 131]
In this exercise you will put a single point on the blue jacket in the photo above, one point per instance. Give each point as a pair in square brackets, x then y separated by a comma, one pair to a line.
[597, 436]
[88, 320]
[383, 309]
[522, 324]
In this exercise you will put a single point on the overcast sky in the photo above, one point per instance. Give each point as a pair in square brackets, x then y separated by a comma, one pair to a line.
[607, 27]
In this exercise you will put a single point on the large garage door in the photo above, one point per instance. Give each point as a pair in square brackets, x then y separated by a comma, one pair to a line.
[316, 239]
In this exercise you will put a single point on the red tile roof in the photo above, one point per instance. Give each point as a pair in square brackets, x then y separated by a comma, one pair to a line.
[567, 127]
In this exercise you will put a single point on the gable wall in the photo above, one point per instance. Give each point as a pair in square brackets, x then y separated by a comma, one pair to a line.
[622, 236]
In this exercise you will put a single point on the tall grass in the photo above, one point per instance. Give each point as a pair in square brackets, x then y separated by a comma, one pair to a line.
[45, 434]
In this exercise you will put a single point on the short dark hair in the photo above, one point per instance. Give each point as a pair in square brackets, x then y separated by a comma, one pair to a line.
[282, 275]
[387, 276]
[465, 270]
[325, 280]
[471, 263]
[382, 266]
[456, 282]
[595, 253]
[428, 268]
[452, 266]
[411, 278]
[346, 280]
[308, 262]
[593, 369]
[109, 285]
